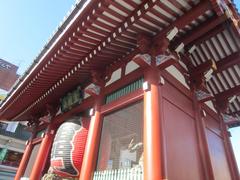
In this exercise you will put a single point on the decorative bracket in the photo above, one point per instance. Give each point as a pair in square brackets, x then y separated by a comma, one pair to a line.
[155, 53]
[202, 95]
[93, 90]
[228, 118]
[165, 60]
[32, 124]
[51, 112]
[143, 60]
[161, 61]
[98, 78]
[222, 104]
[46, 119]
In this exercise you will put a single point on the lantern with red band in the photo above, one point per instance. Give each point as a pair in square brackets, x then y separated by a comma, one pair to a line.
[68, 147]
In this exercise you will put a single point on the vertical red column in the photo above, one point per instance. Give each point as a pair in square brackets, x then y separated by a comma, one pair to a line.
[229, 151]
[24, 160]
[91, 148]
[42, 154]
[202, 139]
[152, 126]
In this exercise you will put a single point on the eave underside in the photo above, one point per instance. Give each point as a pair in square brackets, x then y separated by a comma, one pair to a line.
[104, 36]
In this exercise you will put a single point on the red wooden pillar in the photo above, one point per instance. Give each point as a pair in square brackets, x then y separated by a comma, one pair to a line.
[42, 154]
[229, 151]
[24, 160]
[92, 144]
[152, 126]
[203, 142]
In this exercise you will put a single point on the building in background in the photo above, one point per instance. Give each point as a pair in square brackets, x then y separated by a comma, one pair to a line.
[8, 75]
[13, 138]
[13, 135]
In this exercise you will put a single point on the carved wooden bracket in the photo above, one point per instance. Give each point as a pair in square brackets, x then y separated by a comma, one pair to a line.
[147, 45]
[49, 114]
[222, 104]
[99, 80]
[51, 109]
[98, 77]
[203, 95]
[160, 61]
[143, 60]
[198, 76]
[46, 119]
[144, 43]
[228, 118]
[160, 47]
[32, 123]
[154, 53]
[93, 90]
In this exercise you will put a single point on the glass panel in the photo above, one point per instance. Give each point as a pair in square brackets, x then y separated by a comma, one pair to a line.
[121, 144]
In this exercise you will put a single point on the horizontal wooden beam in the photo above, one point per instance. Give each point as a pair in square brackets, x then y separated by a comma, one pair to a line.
[232, 124]
[228, 93]
[201, 69]
[236, 112]
[229, 61]
[187, 18]
[218, 29]
[200, 32]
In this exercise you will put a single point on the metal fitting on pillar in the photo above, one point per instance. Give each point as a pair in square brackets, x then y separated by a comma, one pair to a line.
[161, 81]
[146, 86]
[92, 112]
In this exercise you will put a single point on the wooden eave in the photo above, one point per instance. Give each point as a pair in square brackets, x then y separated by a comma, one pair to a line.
[103, 36]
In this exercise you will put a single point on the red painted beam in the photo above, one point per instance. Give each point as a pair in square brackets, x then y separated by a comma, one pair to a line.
[228, 93]
[201, 31]
[232, 122]
[235, 112]
[229, 61]
[223, 64]
[187, 18]
[205, 37]
[199, 70]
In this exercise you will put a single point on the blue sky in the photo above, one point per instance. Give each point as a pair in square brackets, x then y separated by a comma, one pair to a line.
[26, 26]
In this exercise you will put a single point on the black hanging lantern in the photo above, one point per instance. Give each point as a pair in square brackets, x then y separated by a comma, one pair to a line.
[68, 148]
